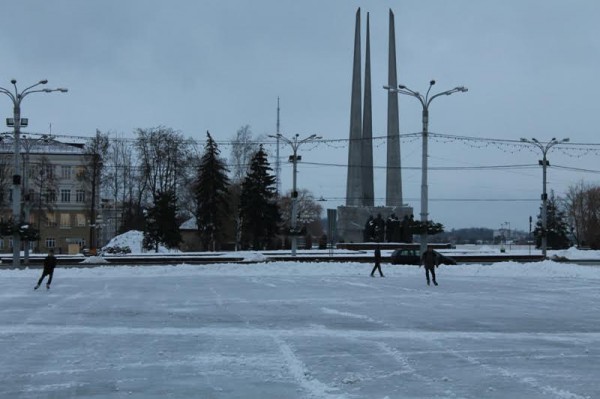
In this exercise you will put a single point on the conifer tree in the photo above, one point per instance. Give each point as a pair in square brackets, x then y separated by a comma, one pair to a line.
[556, 223]
[258, 208]
[162, 223]
[211, 195]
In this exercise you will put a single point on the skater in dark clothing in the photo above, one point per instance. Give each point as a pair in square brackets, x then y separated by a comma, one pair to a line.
[377, 262]
[429, 259]
[49, 265]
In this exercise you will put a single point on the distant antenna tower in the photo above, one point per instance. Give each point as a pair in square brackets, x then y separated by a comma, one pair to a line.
[277, 159]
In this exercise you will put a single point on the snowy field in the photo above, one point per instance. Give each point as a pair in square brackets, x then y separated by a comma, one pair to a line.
[301, 330]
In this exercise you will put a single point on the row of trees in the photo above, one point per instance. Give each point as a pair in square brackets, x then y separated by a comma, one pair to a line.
[573, 219]
[163, 180]
[160, 179]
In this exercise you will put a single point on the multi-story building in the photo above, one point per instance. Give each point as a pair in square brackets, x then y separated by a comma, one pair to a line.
[56, 196]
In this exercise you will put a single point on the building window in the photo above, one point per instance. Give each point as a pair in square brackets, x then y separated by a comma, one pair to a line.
[50, 242]
[49, 172]
[1, 243]
[65, 195]
[51, 220]
[80, 196]
[65, 220]
[80, 172]
[80, 219]
[50, 196]
[30, 196]
[65, 172]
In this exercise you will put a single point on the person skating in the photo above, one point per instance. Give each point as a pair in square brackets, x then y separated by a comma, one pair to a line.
[49, 265]
[429, 259]
[377, 262]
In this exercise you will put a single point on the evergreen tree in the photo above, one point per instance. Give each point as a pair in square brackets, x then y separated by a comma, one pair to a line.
[162, 223]
[211, 194]
[258, 207]
[556, 223]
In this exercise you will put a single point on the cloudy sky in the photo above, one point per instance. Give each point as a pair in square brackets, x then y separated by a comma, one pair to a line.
[530, 65]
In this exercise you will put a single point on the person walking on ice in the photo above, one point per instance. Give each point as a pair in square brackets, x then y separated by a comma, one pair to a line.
[377, 262]
[429, 259]
[49, 265]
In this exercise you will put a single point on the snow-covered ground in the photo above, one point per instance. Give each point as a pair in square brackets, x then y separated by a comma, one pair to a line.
[302, 330]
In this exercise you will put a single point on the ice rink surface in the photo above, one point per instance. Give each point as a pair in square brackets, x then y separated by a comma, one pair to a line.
[302, 330]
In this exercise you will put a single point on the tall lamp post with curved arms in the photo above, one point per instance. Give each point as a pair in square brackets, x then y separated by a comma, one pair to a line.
[425, 101]
[545, 147]
[295, 143]
[17, 97]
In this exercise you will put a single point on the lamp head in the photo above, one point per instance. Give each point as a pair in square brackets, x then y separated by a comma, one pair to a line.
[565, 140]
[62, 89]
[43, 82]
[13, 81]
[401, 87]
[523, 139]
[431, 82]
[462, 89]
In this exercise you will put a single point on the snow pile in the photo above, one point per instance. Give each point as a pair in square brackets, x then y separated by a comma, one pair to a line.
[94, 260]
[574, 253]
[253, 257]
[133, 240]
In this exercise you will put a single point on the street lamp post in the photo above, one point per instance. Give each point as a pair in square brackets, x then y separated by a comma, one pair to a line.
[28, 143]
[16, 98]
[425, 102]
[294, 143]
[544, 147]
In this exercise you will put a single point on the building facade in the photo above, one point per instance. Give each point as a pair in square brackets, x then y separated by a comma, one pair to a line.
[55, 196]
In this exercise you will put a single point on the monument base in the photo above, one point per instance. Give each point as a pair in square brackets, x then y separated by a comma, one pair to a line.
[351, 219]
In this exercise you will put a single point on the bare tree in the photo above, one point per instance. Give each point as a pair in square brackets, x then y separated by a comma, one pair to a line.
[95, 151]
[308, 211]
[243, 149]
[6, 168]
[118, 182]
[582, 203]
[43, 188]
[162, 154]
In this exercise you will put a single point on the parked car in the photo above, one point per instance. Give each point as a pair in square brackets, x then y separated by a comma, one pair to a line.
[412, 257]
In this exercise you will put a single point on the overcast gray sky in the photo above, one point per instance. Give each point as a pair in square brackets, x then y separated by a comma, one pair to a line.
[531, 67]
